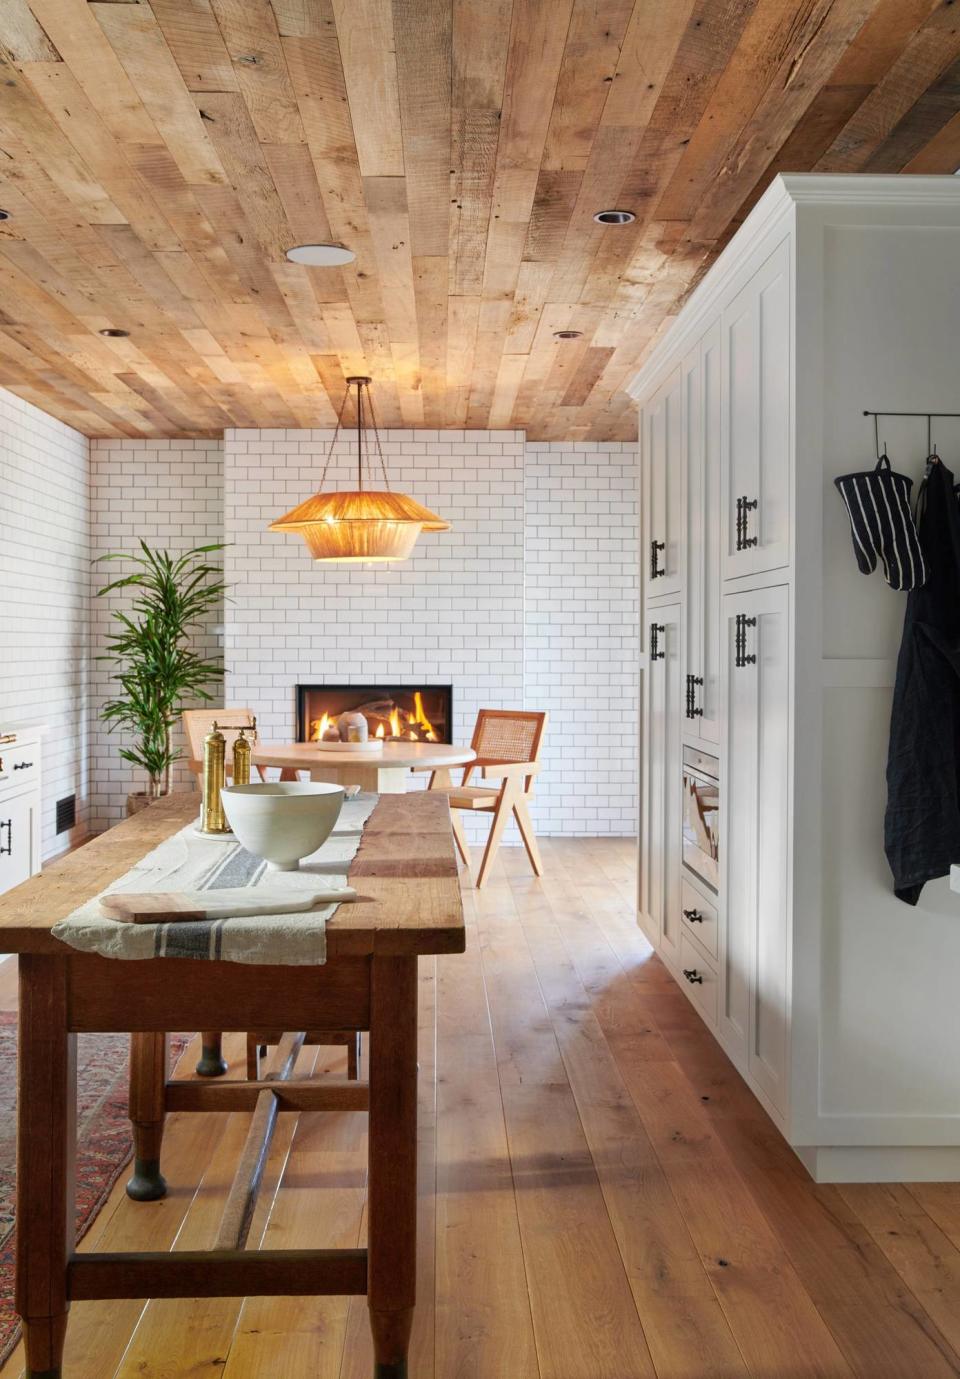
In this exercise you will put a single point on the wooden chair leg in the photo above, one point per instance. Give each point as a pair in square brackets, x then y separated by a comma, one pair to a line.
[211, 1062]
[460, 837]
[253, 1058]
[353, 1057]
[392, 1185]
[500, 817]
[521, 812]
[46, 1148]
[148, 1082]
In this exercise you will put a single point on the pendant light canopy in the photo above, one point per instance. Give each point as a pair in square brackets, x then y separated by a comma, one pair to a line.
[360, 524]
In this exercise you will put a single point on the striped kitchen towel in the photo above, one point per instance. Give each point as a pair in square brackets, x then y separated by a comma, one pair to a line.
[882, 525]
[189, 862]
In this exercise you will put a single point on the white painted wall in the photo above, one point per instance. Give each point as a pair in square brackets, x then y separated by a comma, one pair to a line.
[44, 574]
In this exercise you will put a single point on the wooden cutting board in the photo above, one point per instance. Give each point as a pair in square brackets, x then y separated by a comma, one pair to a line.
[181, 907]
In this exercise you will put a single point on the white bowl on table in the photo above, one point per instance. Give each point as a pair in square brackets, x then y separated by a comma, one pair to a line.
[282, 821]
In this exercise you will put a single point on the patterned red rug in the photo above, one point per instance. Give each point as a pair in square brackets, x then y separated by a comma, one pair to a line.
[104, 1145]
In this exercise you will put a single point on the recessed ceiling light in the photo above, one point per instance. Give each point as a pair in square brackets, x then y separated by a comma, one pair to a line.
[4, 215]
[614, 217]
[114, 333]
[568, 334]
[320, 255]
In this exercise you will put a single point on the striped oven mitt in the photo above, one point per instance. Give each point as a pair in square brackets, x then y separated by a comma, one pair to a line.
[878, 505]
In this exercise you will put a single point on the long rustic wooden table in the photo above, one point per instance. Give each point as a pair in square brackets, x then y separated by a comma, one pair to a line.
[409, 904]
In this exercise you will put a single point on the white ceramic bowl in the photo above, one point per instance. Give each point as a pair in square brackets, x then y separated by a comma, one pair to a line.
[282, 821]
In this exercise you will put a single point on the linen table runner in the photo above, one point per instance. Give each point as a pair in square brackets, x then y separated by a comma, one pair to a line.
[189, 862]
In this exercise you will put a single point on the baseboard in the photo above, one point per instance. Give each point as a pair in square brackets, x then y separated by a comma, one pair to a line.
[854, 1163]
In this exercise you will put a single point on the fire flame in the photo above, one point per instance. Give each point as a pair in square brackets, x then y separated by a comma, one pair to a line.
[395, 722]
[379, 732]
[318, 727]
[420, 719]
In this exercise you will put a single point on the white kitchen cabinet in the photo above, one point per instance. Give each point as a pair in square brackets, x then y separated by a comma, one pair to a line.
[662, 436]
[663, 802]
[19, 807]
[701, 400]
[756, 327]
[754, 805]
[835, 1001]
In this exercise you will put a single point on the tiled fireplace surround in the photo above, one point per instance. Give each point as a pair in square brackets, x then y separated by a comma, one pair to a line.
[529, 600]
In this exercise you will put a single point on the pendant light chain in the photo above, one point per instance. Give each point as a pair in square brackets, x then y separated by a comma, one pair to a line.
[326, 463]
[376, 436]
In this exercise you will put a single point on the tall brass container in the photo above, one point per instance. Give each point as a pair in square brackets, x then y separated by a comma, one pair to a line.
[242, 753]
[212, 817]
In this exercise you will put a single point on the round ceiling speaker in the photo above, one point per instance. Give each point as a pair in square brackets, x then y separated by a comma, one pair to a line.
[321, 255]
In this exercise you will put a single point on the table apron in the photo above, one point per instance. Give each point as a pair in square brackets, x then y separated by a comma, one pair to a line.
[107, 995]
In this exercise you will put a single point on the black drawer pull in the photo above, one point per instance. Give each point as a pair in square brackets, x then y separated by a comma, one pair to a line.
[745, 505]
[655, 652]
[693, 916]
[8, 850]
[693, 976]
[691, 709]
[22, 765]
[740, 657]
[655, 548]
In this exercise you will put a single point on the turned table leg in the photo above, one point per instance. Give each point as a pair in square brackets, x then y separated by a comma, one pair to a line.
[211, 1062]
[148, 1086]
[392, 1186]
[46, 1147]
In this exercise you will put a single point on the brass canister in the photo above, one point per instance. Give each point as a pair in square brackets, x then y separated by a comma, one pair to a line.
[242, 753]
[212, 817]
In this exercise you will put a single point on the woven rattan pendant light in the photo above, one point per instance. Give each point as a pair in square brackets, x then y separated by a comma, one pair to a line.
[361, 524]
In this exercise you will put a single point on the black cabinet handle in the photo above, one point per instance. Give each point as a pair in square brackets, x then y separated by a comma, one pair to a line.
[655, 629]
[691, 709]
[693, 976]
[745, 505]
[22, 765]
[655, 548]
[740, 656]
[693, 916]
[8, 850]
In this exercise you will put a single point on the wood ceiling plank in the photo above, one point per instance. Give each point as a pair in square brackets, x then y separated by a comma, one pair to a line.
[386, 202]
[423, 32]
[931, 51]
[249, 30]
[505, 389]
[463, 319]
[475, 136]
[533, 282]
[934, 110]
[430, 277]
[942, 154]
[78, 38]
[582, 383]
[367, 51]
[831, 27]
[591, 55]
[230, 126]
[193, 37]
[55, 86]
[21, 38]
[139, 43]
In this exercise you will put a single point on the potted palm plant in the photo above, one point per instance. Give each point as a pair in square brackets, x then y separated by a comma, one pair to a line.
[157, 672]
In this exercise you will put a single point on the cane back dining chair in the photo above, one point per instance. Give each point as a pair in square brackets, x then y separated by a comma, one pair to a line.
[507, 743]
[196, 724]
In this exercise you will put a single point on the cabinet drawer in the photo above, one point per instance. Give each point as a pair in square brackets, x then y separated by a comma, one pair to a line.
[699, 918]
[19, 818]
[698, 979]
[19, 766]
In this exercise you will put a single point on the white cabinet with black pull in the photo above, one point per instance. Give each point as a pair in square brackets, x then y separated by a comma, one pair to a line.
[19, 807]
[768, 684]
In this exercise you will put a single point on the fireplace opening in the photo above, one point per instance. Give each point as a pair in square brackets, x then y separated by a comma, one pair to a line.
[406, 713]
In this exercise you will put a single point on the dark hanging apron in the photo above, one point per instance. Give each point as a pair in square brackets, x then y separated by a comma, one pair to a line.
[922, 831]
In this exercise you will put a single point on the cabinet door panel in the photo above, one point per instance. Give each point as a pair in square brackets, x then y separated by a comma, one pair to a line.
[663, 776]
[738, 809]
[757, 421]
[663, 456]
[694, 534]
[712, 500]
[18, 831]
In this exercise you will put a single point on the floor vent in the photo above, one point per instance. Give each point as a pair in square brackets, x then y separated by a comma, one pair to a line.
[66, 813]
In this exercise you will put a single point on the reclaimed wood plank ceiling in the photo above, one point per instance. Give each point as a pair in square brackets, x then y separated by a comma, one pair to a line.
[157, 158]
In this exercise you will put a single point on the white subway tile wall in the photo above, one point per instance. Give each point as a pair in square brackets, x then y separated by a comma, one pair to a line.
[529, 601]
[580, 631]
[169, 494]
[44, 575]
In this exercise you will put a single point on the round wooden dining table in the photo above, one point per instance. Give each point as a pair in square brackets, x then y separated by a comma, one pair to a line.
[384, 771]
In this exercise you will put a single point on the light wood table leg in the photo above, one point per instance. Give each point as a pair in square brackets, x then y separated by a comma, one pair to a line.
[211, 1062]
[392, 1187]
[148, 1085]
[371, 778]
[46, 1148]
